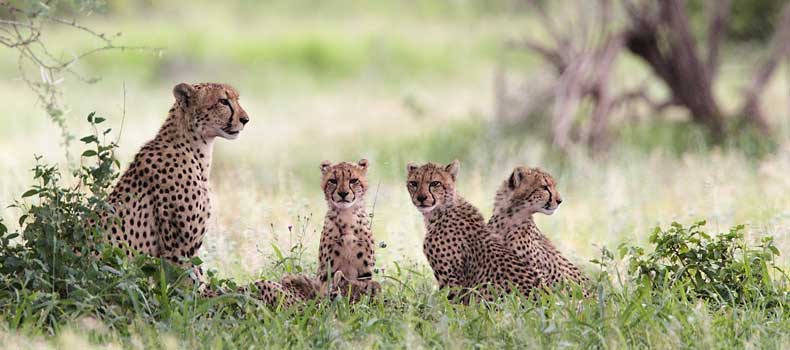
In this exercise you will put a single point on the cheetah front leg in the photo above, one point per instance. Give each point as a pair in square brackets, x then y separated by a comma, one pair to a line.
[173, 245]
[354, 289]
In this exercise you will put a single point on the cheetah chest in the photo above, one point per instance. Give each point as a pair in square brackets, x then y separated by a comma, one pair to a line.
[348, 245]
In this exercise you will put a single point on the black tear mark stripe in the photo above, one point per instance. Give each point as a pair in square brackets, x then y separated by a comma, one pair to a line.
[545, 180]
[422, 182]
[230, 119]
[417, 180]
[430, 188]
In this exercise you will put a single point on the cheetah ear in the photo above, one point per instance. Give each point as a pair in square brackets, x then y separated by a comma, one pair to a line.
[325, 166]
[517, 177]
[363, 163]
[184, 93]
[452, 168]
[411, 167]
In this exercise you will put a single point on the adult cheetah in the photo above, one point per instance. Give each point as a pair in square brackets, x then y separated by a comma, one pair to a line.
[462, 254]
[525, 192]
[161, 204]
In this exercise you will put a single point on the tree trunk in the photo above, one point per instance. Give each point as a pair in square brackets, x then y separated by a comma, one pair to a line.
[751, 112]
[666, 43]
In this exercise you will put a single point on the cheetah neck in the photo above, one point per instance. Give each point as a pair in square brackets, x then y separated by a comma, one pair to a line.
[442, 210]
[350, 220]
[509, 224]
[178, 133]
[459, 209]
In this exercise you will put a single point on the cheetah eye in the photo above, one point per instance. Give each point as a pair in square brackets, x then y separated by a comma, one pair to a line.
[332, 181]
[412, 183]
[224, 101]
[354, 181]
[435, 183]
[545, 187]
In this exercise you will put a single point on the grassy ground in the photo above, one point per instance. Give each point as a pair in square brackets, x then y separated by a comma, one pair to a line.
[623, 320]
[398, 83]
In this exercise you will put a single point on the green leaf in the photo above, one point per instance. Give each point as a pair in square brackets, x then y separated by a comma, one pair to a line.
[89, 139]
[98, 120]
[90, 116]
[29, 193]
[277, 251]
[196, 261]
[22, 220]
[89, 153]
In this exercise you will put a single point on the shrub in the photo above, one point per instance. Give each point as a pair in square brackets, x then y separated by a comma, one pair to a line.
[57, 266]
[721, 268]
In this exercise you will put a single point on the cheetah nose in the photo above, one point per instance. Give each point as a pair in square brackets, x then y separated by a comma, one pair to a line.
[421, 198]
[559, 201]
[244, 120]
[343, 194]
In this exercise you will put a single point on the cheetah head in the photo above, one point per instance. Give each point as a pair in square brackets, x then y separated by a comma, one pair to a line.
[344, 184]
[528, 191]
[432, 185]
[211, 109]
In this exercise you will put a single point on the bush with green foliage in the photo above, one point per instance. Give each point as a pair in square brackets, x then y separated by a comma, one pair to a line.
[722, 268]
[59, 267]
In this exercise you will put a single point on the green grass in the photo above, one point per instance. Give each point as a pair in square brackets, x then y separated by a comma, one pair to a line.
[411, 314]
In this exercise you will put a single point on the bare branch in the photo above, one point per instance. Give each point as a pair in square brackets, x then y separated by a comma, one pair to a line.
[17, 24]
[22, 31]
[663, 39]
[780, 48]
[73, 23]
[546, 21]
[549, 54]
[719, 12]
[640, 94]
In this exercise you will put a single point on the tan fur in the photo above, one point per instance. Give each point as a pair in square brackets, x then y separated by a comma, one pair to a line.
[161, 204]
[347, 245]
[525, 192]
[346, 253]
[461, 253]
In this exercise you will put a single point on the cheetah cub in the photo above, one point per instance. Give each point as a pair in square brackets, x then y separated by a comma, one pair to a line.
[461, 253]
[346, 255]
[346, 252]
[525, 192]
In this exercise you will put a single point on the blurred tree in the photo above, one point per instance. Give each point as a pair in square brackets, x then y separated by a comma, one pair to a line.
[660, 34]
[750, 20]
